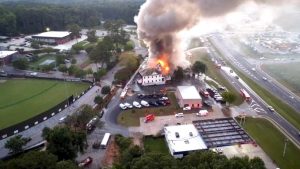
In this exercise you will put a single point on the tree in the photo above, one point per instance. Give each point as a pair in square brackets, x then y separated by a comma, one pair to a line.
[128, 47]
[91, 36]
[63, 68]
[98, 99]
[238, 163]
[100, 73]
[66, 165]
[123, 75]
[178, 74]
[73, 61]
[82, 116]
[75, 30]
[21, 63]
[229, 97]
[103, 51]
[7, 22]
[77, 48]
[257, 163]
[105, 90]
[34, 160]
[199, 67]
[65, 143]
[60, 59]
[15, 144]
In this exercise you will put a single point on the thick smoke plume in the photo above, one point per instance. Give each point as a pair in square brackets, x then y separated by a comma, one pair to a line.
[161, 21]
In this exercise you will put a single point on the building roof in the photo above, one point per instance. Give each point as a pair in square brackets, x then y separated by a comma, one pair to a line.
[188, 138]
[149, 72]
[53, 34]
[188, 92]
[4, 54]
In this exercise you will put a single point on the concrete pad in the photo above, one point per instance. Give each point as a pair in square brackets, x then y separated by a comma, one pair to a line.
[249, 150]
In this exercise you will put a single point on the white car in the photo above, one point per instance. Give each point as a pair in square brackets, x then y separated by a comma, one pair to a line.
[33, 74]
[122, 106]
[179, 115]
[265, 78]
[163, 98]
[187, 108]
[61, 120]
[271, 108]
[128, 105]
[136, 104]
[145, 103]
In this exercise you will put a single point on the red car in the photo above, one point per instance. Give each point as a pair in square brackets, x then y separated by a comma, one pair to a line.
[86, 162]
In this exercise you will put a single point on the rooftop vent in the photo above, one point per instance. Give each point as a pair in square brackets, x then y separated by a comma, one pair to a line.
[191, 134]
[177, 134]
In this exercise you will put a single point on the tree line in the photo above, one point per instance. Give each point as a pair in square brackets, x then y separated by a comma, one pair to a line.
[27, 18]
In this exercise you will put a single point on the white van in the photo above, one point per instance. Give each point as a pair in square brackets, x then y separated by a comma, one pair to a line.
[202, 113]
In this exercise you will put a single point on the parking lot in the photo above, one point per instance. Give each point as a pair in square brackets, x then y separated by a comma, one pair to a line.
[221, 132]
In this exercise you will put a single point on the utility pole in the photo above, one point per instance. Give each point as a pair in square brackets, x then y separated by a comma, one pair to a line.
[284, 149]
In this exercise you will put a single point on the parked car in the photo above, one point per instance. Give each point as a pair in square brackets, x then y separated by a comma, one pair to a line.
[187, 108]
[62, 120]
[86, 162]
[141, 96]
[202, 113]
[179, 115]
[128, 105]
[161, 103]
[163, 98]
[152, 103]
[145, 103]
[122, 106]
[136, 104]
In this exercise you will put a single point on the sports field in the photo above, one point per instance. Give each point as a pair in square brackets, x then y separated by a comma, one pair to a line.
[21, 99]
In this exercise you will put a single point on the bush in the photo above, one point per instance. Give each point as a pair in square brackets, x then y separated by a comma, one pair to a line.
[73, 61]
[105, 90]
[62, 68]
[98, 100]
[21, 63]
[99, 74]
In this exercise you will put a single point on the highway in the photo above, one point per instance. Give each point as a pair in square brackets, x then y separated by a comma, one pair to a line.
[257, 103]
[256, 74]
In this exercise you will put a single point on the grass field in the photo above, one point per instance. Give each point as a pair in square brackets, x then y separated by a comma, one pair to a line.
[132, 117]
[213, 72]
[271, 141]
[157, 145]
[21, 99]
[287, 73]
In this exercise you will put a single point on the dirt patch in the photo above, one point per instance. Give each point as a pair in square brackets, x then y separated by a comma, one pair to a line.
[137, 138]
[111, 154]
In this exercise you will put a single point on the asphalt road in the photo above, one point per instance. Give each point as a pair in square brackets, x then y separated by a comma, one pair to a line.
[257, 103]
[257, 75]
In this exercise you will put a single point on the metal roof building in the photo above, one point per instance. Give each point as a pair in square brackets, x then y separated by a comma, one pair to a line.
[188, 96]
[182, 139]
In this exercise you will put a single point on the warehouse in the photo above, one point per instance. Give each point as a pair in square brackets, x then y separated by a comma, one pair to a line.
[53, 37]
[188, 96]
[183, 139]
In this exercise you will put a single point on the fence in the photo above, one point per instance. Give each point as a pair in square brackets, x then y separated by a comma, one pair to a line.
[24, 125]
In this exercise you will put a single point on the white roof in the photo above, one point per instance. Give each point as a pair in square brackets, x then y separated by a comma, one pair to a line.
[53, 34]
[4, 54]
[188, 92]
[189, 138]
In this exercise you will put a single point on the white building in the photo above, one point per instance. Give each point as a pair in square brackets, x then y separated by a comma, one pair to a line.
[6, 56]
[188, 96]
[152, 76]
[182, 139]
[53, 37]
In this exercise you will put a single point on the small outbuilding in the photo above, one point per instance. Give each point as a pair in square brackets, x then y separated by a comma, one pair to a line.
[183, 139]
[188, 96]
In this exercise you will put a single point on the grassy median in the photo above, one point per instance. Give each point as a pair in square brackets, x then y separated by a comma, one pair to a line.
[271, 140]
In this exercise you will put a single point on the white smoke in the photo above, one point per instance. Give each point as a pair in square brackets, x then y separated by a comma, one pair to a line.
[160, 22]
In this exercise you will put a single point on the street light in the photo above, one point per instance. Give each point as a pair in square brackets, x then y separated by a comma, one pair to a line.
[47, 29]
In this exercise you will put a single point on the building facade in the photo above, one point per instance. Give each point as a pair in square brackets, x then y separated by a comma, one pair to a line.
[7, 56]
[188, 96]
[152, 76]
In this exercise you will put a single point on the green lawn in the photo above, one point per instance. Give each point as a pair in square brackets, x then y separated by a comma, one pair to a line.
[271, 141]
[214, 73]
[21, 99]
[132, 117]
[286, 73]
[157, 145]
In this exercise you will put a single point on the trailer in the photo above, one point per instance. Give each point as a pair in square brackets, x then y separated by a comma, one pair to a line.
[245, 94]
